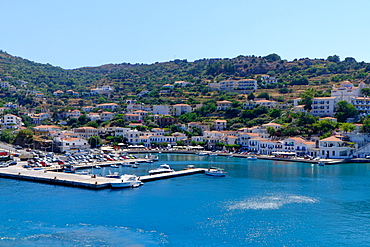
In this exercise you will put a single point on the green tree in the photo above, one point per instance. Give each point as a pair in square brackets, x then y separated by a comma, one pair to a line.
[82, 120]
[24, 137]
[188, 117]
[259, 110]
[101, 100]
[307, 96]
[27, 120]
[264, 95]
[324, 126]
[299, 80]
[271, 131]
[196, 131]
[207, 108]
[94, 141]
[250, 96]
[274, 113]
[345, 110]
[347, 127]
[180, 143]
[175, 128]
[92, 124]
[272, 57]
[349, 60]
[365, 91]
[7, 136]
[304, 119]
[366, 126]
[334, 59]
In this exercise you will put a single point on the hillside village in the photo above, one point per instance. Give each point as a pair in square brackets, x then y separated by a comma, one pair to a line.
[231, 114]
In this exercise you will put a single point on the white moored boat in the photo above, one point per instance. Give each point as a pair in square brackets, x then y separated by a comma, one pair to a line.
[217, 172]
[113, 175]
[154, 157]
[252, 157]
[161, 169]
[126, 181]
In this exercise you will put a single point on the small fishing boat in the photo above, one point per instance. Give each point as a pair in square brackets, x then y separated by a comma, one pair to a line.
[321, 164]
[252, 157]
[68, 168]
[113, 175]
[153, 157]
[188, 167]
[114, 166]
[83, 173]
[216, 172]
[97, 167]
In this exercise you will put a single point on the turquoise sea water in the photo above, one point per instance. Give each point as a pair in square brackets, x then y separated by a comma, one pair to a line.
[259, 203]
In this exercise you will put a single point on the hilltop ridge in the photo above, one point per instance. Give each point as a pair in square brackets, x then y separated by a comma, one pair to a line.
[132, 78]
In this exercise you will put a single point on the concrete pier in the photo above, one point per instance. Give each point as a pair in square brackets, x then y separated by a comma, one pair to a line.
[78, 180]
[59, 178]
[172, 174]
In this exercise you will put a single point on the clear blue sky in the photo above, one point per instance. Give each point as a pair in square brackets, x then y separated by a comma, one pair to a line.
[78, 33]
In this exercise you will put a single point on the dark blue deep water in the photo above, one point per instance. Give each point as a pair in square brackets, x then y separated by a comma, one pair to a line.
[259, 203]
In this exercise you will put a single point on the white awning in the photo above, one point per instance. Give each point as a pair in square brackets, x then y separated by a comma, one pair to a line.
[284, 153]
[136, 146]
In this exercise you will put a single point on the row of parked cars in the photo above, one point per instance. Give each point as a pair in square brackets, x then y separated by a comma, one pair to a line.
[88, 158]
[8, 163]
[75, 159]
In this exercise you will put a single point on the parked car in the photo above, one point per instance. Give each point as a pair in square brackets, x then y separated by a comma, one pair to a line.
[11, 162]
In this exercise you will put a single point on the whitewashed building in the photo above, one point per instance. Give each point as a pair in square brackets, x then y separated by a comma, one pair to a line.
[71, 144]
[161, 109]
[219, 125]
[335, 148]
[347, 91]
[179, 109]
[86, 132]
[324, 106]
[102, 90]
[362, 105]
[223, 105]
[107, 106]
[9, 121]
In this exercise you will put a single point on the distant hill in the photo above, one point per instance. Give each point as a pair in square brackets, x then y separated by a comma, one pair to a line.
[130, 78]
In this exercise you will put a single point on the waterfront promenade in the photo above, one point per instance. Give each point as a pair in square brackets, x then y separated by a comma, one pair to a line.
[266, 157]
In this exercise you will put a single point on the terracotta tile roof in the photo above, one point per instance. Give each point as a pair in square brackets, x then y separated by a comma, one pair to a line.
[309, 143]
[86, 128]
[47, 127]
[332, 139]
[70, 139]
[268, 124]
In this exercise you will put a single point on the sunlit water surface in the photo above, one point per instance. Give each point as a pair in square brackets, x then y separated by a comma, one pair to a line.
[258, 203]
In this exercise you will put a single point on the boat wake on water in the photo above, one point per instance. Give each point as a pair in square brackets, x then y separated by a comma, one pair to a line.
[270, 202]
